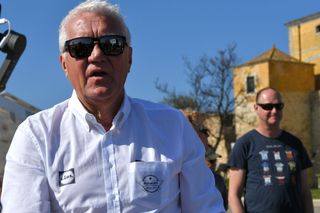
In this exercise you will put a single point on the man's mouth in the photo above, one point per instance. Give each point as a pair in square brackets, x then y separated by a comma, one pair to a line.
[98, 74]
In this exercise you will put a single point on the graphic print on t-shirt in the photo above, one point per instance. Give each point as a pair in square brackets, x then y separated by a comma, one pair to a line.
[276, 155]
[264, 155]
[265, 166]
[279, 166]
[281, 180]
[289, 154]
[267, 180]
[292, 166]
[274, 160]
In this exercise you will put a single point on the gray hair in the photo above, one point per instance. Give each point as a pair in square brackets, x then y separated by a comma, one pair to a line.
[94, 6]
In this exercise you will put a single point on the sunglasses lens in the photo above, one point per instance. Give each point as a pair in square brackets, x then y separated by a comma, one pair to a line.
[80, 47]
[269, 107]
[112, 45]
[279, 106]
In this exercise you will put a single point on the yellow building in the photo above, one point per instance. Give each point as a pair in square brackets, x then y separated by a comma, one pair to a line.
[295, 81]
[304, 41]
[296, 76]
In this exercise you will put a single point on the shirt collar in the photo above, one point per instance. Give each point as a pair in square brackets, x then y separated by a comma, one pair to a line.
[88, 119]
[123, 112]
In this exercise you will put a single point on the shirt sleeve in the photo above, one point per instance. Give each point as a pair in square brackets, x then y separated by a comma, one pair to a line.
[197, 184]
[25, 186]
[305, 160]
[238, 156]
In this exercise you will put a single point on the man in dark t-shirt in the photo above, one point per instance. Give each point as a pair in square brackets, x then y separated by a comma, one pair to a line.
[269, 165]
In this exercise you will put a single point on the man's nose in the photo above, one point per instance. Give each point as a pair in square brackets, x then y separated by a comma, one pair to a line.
[274, 110]
[96, 52]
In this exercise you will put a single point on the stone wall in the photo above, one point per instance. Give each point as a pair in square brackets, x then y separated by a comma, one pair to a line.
[296, 116]
[245, 117]
[12, 112]
[211, 122]
[315, 133]
[8, 126]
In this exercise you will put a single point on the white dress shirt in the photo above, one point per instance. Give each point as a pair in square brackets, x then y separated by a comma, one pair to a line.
[151, 160]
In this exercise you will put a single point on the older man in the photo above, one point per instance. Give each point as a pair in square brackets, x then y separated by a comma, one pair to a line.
[269, 164]
[100, 150]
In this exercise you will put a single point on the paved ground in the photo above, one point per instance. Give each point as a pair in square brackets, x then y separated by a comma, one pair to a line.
[316, 205]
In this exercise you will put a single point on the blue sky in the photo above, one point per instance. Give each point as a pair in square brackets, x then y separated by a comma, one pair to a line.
[163, 32]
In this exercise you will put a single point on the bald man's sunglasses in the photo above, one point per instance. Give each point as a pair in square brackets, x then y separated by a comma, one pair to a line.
[82, 47]
[269, 107]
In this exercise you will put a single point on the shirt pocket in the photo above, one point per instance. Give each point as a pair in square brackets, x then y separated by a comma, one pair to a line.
[152, 184]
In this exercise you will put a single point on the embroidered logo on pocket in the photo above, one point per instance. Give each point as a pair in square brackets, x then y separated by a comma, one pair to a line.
[150, 183]
[66, 177]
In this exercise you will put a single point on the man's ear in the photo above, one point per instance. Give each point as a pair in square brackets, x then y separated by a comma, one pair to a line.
[130, 58]
[63, 64]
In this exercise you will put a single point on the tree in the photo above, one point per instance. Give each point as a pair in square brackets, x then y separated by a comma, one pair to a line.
[179, 101]
[211, 82]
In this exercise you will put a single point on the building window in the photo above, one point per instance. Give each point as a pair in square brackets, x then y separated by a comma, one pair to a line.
[317, 82]
[250, 84]
[318, 29]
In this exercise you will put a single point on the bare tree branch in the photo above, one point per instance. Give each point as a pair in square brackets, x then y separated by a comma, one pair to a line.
[211, 83]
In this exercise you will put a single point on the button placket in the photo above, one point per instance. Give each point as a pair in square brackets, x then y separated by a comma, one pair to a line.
[111, 184]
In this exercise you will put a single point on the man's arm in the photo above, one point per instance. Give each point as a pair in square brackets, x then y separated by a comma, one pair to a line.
[198, 190]
[0, 185]
[197, 185]
[236, 181]
[25, 186]
[306, 193]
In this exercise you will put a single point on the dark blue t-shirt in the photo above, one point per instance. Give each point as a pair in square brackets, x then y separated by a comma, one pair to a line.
[272, 169]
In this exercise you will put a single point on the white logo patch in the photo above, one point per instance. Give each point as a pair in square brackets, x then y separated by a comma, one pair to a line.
[67, 177]
[150, 183]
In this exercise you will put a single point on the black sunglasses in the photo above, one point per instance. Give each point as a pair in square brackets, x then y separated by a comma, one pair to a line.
[268, 107]
[82, 47]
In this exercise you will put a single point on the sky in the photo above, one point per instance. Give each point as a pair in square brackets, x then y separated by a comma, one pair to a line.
[163, 33]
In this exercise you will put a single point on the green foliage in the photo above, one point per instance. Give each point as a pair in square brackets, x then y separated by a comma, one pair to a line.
[315, 193]
[183, 102]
